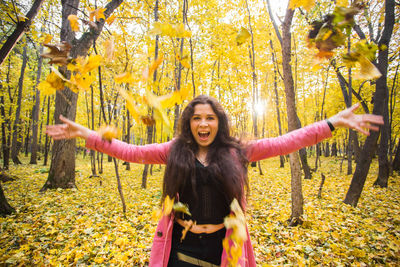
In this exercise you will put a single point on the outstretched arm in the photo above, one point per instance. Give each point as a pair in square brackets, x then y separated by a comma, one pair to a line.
[312, 134]
[147, 154]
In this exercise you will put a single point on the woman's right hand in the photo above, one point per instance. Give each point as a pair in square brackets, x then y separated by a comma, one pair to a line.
[67, 130]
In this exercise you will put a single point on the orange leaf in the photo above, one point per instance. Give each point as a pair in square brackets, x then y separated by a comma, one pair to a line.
[73, 21]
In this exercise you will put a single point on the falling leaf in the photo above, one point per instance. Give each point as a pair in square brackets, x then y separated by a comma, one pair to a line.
[180, 207]
[237, 222]
[147, 73]
[125, 77]
[108, 132]
[306, 4]
[58, 53]
[47, 39]
[109, 49]
[148, 120]
[187, 226]
[242, 36]
[168, 205]
[170, 30]
[368, 70]
[46, 88]
[184, 61]
[111, 19]
[97, 13]
[73, 21]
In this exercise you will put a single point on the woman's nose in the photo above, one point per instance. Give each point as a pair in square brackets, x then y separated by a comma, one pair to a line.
[203, 122]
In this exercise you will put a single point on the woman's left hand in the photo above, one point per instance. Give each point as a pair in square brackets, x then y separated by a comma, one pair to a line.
[359, 122]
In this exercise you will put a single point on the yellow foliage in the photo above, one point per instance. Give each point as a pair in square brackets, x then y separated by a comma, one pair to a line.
[73, 22]
[242, 36]
[306, 4]
[170, 30]
[111, 19]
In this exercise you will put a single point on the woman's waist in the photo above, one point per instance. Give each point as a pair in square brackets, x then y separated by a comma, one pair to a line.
[199, 228]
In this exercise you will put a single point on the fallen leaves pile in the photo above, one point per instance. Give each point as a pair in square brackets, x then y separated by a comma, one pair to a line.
[86, 226]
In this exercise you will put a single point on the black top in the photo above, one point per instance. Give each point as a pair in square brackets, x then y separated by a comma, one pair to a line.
[211, 205]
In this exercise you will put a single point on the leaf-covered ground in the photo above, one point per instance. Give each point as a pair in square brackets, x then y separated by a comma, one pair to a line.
[86, 226]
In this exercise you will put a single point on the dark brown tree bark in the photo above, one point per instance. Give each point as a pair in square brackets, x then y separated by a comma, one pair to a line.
[396, 161]
[62, 167]
[47, 139]
[16, 127]
[21, 28]
[380, 98]
[5, 208]
[35, 112]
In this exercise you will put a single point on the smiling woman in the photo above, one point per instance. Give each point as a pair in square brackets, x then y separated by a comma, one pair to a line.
[206, 170]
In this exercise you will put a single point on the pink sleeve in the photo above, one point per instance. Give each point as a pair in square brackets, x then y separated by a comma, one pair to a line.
[288, 143]
[147, 154]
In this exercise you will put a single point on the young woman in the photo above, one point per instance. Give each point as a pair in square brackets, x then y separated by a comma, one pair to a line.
[206, 169]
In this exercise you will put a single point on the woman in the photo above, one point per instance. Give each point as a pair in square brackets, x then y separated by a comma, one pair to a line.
[206, 169]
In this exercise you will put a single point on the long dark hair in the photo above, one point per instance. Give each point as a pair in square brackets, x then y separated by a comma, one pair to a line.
[227, 161]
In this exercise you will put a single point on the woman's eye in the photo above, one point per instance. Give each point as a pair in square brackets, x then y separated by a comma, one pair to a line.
[211, 118]
[196, 118]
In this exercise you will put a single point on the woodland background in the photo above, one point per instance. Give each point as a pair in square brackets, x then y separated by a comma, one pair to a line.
[141, 62]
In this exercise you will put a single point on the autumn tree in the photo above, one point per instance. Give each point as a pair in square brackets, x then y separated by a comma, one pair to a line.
[62, 168]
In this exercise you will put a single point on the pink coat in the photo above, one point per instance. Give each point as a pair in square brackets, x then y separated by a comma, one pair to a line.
[158, 154]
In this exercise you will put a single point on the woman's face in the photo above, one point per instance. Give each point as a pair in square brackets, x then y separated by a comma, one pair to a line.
[204, 125]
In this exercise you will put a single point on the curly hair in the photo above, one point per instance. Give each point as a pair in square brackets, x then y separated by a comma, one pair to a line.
[226, 157]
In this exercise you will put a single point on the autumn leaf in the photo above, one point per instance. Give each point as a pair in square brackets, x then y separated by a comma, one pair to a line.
[306, 4]
[125, 77]
[108, 132]
[180, 207]
[46, 88]
[111, 19]
[136, 112]
[58, 53]
[170, 30]
[187, 225]
[109, 49]
[47, 39]
[184, 61]
[73, 22]
[237, 222]
[242, 36]
[97, 13]
[147, 73]
[168, 205]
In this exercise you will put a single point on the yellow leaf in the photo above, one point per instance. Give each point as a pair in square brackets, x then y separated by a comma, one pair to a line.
[149, 72]
[92, 63]
[125, 77]
[306, 4]
[368, 70]
[111, 19]
[109, 49]
[108, 132]
[46, 88]
[242, 36]
[97, 13]
[47, 39]
[168, 204]
[73, 21]
[55, 80]
[134, 110]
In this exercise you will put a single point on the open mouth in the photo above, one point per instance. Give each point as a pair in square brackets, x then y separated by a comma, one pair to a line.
[204, 135]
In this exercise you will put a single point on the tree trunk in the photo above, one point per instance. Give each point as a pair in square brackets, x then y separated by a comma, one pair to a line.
[20, 29]
[47, 140]
[296, 194]
[396, 161]
[62, 167]
[16, 126]
[380, 98]
[35, 113]
[384, 166]
[5, 208]
[334, 149]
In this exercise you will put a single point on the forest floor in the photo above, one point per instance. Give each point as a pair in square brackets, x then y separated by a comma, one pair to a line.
[85, 226]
